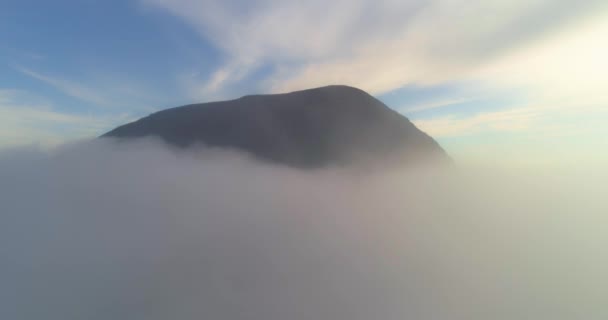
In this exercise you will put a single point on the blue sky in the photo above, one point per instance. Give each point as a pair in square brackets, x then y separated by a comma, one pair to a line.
[498, 81]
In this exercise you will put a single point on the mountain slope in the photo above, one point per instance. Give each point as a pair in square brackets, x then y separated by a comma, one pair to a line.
[309, 128]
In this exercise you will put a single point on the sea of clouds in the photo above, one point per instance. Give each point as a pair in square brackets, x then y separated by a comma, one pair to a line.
[137, 230]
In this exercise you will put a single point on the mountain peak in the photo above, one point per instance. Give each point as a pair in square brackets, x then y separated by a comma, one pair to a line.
[332, 125]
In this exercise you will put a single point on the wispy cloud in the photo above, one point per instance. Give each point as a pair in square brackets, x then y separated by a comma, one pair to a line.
[72, 89]
[103, 89]
[26, 119]
[213, 86]
[566, 68]
[34, 55]
[507, 120]
[436, 104]
[376, 45]
[550, 119]
[545, 135]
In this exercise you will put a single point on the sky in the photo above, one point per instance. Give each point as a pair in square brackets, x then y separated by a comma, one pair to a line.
[495, 82]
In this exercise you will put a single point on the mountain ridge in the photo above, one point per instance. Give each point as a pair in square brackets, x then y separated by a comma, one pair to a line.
[331, 125]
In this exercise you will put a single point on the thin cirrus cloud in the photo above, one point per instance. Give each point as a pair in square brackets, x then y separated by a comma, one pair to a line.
[530, 135]
[108, 90]
[67, 87]
[509, 120]
[563, 77]
[27, 119]
[378, 46]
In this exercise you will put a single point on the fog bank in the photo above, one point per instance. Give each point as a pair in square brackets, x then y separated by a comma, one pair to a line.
[105, 230]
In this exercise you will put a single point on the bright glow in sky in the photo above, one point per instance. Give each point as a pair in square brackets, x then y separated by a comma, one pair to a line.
[502, 81]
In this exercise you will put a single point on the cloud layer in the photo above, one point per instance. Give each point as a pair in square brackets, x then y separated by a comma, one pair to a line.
[138, 231]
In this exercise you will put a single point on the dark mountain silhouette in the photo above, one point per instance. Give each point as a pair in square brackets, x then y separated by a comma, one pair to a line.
[332, 125]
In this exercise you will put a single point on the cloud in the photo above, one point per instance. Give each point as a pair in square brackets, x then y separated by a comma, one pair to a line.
[564, 69]
[215, 86]
[551, 136]
[104, 89]
[27, 119]
[438, 103]
[528, 119]
[72, 89]
[506, 120]
[375, 45]
[135, 230]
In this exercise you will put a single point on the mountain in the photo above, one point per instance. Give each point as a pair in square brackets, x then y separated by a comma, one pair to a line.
[333, 125]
